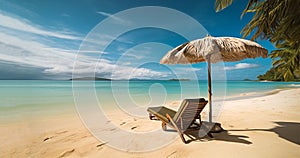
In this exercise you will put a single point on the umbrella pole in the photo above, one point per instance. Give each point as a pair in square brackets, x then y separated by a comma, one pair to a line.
[209, 88]
[215, 127]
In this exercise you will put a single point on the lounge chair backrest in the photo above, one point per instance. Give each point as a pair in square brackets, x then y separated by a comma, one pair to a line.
[189, 110]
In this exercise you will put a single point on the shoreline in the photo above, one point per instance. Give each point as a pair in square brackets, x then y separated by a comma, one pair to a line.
[255, 94]
[266, 126]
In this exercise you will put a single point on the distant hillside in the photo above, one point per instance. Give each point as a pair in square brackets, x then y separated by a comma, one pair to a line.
[246, 79]
[182, 79]
[91, 78]
[132, 79]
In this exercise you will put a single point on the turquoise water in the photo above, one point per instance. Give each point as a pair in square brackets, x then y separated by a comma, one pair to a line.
[35, 95]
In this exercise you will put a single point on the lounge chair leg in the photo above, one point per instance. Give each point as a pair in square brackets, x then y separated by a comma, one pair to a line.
[151, 116]
[176, 127]
[182, 138]
[210, 135]
[164, 126]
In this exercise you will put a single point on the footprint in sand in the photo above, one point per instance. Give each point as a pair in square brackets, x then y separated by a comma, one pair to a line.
[134, 127]
[47, 138]
[66, 153]
[99, 145]
[172, 155]
[122, 123]
[61, 132]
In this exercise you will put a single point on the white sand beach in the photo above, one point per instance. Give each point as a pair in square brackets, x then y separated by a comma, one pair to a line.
[266, 126]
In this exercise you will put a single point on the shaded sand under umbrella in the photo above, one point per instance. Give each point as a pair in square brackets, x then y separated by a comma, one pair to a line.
[213, 50]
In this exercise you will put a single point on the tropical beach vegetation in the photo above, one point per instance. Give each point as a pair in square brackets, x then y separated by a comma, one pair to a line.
[276, 21]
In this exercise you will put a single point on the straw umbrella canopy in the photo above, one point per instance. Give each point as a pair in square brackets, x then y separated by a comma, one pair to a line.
[213, 50]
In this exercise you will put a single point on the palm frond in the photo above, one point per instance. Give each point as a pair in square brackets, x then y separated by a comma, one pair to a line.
[222, 4]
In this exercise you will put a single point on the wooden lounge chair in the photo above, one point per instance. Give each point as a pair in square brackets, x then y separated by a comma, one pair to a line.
[184, 120]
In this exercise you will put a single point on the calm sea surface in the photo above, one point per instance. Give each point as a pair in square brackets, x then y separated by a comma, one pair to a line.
[32, 96]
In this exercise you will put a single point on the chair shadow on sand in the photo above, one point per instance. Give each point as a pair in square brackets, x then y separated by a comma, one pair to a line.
[285, 130]
[200, 135]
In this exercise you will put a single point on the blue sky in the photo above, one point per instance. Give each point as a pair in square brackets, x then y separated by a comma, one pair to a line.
[41, 39]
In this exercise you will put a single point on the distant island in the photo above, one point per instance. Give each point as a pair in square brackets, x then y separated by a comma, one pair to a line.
[182, 79]
[132, 79]
[172, 79]
[90, 78]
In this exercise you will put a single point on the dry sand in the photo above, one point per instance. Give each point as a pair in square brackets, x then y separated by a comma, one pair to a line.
[267, 126]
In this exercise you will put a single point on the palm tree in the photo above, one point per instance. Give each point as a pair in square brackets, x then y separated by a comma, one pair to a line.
[273, 74]
[221, 4]
[287, 60]
[277, 21]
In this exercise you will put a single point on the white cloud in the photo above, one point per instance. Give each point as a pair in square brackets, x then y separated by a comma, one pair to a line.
[188, 69]
[97, 41]
[81, 51]
[241, 66]
[25, 44]
[117, 19]
[136, 53]
[24, 25]
[58, 62]
[127, 72]
[197, 69]
[65, 15]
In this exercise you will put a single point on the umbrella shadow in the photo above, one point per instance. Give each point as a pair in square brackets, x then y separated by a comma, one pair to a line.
[285, 130]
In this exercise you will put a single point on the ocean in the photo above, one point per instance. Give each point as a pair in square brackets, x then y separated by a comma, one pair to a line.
[24, 98]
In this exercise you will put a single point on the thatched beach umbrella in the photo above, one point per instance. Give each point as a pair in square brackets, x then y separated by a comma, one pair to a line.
[213, 50]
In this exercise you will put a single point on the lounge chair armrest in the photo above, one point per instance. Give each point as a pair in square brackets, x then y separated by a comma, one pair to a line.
[172, 122]
[160, 112]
